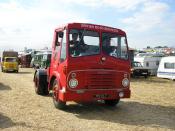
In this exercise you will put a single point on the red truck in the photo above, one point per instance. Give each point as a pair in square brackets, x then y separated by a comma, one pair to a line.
[89, 63]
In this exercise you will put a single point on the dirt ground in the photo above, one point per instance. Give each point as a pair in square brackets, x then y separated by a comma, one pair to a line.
[151, 107]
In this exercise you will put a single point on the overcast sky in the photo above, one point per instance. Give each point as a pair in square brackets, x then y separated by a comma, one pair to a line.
[30, 23]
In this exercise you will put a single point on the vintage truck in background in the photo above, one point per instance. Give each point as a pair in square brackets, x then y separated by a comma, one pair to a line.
[40, 59]
[25, 60]
[137, 70]
[88, 63]
[46, 59]
[9, 61]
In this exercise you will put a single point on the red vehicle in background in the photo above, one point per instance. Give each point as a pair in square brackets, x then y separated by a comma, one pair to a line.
[25, 60]
[89, 63]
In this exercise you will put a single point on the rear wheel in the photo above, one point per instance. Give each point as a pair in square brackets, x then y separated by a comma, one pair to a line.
[40, 85]
[55, 95]
[112, 102]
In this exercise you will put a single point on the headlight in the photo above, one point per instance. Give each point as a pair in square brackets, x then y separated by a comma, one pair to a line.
[121, 94]
[73, 83]
[125, 82]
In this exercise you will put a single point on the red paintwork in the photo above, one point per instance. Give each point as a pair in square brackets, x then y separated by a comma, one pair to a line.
[88, 68]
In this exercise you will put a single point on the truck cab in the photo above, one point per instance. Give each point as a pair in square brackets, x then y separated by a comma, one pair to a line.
[88, 63]
[36, 60]
[45, 62]
[9, 61]
[10, 64]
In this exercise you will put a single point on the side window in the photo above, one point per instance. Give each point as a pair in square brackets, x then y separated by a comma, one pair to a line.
[59, 36]
[124, 53]
[169, 65]
[58, 41]
[63, 47]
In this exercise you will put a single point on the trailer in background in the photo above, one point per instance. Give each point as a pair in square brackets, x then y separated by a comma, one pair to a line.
[167, 68]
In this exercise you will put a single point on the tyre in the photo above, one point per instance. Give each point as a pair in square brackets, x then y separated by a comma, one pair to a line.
[57, 103]
[40, 85]
[112, 102]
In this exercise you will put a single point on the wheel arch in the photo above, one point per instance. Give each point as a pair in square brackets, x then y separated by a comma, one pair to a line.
[54, 76]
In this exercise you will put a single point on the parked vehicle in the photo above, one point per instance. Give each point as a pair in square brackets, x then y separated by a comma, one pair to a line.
[38, 60]
[137, 70]
[45, 62]
[88, 63]
[25, 60]
[167, 68]
[149, 61]
[9, 61]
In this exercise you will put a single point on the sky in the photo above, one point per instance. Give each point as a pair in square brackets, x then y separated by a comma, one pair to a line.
[31, 23]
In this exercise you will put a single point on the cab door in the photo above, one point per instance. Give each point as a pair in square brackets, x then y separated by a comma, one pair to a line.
[59, 56]
[56, 50]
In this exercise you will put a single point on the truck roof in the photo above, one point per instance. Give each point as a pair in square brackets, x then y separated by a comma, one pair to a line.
[92, 27]
[9, 54]
[44, 52]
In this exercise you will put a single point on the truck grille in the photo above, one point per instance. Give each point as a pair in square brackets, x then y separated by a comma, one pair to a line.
[9, 65]
[104, 80]
[97, 79]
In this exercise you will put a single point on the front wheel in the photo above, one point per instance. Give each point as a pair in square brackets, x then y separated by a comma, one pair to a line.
[112, 102]
[55, 95]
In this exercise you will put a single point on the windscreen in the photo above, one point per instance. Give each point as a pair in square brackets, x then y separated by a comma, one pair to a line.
[114, 45]
[47, 57]
[38, 57]
[11, 60]
[83, 43]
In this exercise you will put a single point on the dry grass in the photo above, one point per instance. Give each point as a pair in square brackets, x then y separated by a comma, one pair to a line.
[152, 107]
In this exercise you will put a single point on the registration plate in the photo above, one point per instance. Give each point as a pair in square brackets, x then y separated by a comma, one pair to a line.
[101, 96]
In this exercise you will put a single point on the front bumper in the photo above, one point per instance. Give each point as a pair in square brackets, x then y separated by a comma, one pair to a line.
[10, 69]
[93, 95]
